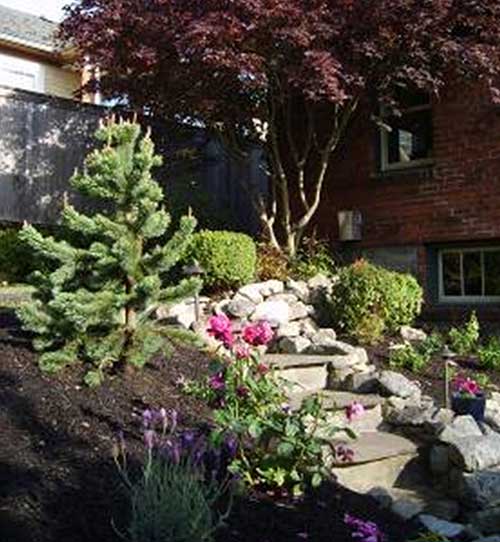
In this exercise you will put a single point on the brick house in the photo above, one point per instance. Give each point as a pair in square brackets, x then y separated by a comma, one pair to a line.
[32, 59]
[425, 197]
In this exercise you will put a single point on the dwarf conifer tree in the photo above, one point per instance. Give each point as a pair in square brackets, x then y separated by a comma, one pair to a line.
[98, 288]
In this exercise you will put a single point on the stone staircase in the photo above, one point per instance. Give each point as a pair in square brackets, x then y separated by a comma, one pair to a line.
[385, 464]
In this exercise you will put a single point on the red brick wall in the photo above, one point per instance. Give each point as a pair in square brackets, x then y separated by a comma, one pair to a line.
[459, 199]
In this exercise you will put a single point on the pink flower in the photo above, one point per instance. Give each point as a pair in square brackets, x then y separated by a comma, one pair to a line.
[258, 334]
[241, 351]
[220, 328]
[262, 369]
[242, 391]
[466, 386]
[354, 411]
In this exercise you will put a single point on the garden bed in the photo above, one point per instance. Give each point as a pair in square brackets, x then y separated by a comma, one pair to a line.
[58, 481]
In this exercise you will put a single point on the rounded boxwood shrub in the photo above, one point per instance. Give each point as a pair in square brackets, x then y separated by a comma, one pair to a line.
[228, 258]
[365, 292]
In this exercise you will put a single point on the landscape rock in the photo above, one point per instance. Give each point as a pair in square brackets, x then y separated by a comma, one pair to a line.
[412, 334]
[413, 415]
[392, 383]
[299, 310]
[292, 329]
[300, 289]
[440, 526]
[487, 521]
[494, 538]
[475, 453]
[439, 459]
[275, 312]
[326, 338]
[308, 327]
[320, 282]
[492, 414]
[477, 490]
[252, 292]
[460, 427]
[294, 345]
[183, 314]
[271, 287]
[239, 307]
[362, 382]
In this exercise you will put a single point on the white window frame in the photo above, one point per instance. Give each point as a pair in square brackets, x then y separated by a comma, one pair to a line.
[465, 298]
[384, 142]
[23, 66]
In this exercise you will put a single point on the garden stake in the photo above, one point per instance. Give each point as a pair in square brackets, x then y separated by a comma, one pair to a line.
[448, 355]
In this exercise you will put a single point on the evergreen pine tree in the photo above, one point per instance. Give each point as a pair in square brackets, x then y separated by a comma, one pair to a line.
[98, 288]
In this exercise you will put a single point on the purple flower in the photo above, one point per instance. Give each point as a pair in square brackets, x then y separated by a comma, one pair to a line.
[150, 438]
[147, 418]
[363, 531]
[344, 453]
[216, 382]
[231, 444]
[354, 411]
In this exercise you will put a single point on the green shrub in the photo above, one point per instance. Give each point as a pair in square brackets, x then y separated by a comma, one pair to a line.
[16, 260]
[489, 354]
[464, 340]
[363, 290]
[229, 259]
[408, 357]
[314, 258]
[271, 263]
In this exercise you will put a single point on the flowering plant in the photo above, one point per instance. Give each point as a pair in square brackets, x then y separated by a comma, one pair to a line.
[363, 531]
[466, 387]
[183, 481]
[277, 447]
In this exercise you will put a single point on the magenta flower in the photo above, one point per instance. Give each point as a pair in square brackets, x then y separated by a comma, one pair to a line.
[466, 386]
[241, 351]
[220, 328]
[258, 334]
[242, 391]
[354, 411]
[363, 531]
[344, 454]
[262, 369]
[217, 382]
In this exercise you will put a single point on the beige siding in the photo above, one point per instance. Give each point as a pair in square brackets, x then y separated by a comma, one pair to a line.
[60, 82]
[38, 75]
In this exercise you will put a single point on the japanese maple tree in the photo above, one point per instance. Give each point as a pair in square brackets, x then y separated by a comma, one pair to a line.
[289, 73]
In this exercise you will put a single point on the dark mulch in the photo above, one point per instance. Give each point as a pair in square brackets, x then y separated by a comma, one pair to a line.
[58, 482]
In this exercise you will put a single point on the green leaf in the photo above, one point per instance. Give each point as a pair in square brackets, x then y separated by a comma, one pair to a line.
[93, 379]
[316, 479]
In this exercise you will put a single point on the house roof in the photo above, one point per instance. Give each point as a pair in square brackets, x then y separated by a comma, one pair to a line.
[28, 30]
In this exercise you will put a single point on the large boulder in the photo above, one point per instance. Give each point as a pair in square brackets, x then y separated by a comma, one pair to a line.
[300, 289]
[392, 383]
[294, 345]
[477, 490]
[277, 313]
[475, 453]
[443, 528]
[239, 307]
[461, 427]
[412, 334]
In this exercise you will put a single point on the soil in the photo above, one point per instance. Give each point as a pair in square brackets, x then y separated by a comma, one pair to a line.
[58, 481]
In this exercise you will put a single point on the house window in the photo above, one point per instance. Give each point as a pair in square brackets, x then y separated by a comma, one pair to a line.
[469, 275]
[20, 73]
[406, 140]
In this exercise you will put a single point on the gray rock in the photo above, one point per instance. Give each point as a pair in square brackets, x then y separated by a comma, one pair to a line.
[275, 312]
[392, 383]
[239, 307]
[320, 282]
[365, 382]
[252, 292]
[493, 538]
[412, 334]
[300, 289]
[413, 416]
[308, 327]
[460, 427]
[382, 496]
[492, 415]
[476, 453]
[407, 508]
[298, 311]
[182, 314]
[286, 296]
[294, 345]
[477, 490]
[487, 521]
[292, 329]
[325, 338]
[440, 526]
[495, 398]
[439, 459]
[271, 287]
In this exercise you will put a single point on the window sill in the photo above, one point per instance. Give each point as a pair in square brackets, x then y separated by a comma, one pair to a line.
[413, 172]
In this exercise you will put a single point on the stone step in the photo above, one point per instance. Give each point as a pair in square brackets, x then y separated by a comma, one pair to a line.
[337, 400]
[380, 460]
[353, 356]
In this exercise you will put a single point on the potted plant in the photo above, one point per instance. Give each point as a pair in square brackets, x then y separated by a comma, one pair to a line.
[468, 398]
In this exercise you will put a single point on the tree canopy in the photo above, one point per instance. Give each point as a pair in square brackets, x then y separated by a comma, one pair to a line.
[246, 67]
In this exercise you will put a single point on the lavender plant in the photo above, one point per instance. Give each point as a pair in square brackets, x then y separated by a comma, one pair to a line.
[183, 485]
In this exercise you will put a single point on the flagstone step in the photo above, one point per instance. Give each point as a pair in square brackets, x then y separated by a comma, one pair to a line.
[337, 400]
[379, 459]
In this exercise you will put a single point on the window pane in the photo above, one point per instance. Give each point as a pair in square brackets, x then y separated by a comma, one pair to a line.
[473, 284]
[492, 273]
[410, 137]
[451, 274]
